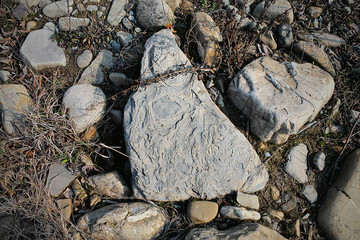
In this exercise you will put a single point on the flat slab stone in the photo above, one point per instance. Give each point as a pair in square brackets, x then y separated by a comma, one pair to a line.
[85, 105]
[40, 51]
[117, 12]
[14, 103]
[179, 142]
[135, 221]
[58, 9]
[279, 98]
[58, 179]
[339, 214]
[245, 231]
[72, 23]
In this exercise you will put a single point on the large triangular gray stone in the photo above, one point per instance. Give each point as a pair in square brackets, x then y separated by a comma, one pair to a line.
[180, 144]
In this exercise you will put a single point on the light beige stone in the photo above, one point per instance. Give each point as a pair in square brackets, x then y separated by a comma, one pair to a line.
[72, 23]
[278, 214]
[314, 12]
[207, 35]
[275, 193]
[202, 211]
[268, 39]
[173, 4]
[30, 25]
[14, 103]
[154, 14]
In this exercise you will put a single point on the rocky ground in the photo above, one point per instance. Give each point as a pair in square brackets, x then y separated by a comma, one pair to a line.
[158, 119]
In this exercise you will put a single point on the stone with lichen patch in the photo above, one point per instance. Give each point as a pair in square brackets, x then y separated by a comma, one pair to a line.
[135, 220]
[208, 35]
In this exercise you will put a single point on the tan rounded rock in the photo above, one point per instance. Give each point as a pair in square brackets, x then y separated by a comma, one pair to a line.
[202, 211]
[314, 12]
[30, 25]
[207, 35]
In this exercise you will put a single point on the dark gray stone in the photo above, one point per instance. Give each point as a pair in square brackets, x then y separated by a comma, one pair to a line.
[21, 11]
[285, 36]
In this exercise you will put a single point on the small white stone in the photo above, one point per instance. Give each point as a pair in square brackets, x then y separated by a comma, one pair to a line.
[310, 193]
[92, 8]
[99, 14]
[85, 104]
[296, 165]
[319, 160]
[74, 12]
[94, 73]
